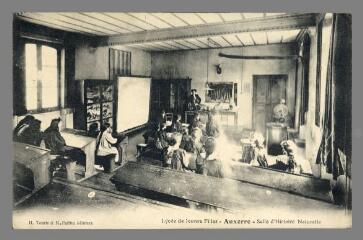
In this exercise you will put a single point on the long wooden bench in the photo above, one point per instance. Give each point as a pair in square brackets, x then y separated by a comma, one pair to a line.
[224, 193]
[303, 185]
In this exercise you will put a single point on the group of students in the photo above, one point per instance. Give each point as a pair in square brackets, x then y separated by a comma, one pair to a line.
[289, 160]
[196, 144]
[28, 131]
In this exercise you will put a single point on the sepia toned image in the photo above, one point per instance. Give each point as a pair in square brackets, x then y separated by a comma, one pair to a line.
[129, 120]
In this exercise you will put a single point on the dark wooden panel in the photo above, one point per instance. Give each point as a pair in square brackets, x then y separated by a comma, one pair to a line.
[170, 95]
[267, 92]
[260, 96]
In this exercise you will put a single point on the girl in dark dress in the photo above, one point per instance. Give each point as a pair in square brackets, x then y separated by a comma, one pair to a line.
[57, 145]
[28, 131]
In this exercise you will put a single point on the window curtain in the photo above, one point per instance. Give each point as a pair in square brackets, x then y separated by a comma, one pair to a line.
[120, 63]
[335, 147]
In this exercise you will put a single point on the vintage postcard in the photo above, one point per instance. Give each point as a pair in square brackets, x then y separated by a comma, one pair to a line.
[171, 120]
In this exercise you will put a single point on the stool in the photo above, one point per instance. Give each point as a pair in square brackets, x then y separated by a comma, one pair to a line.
[71, 170]
[69, 164]
[108, 162]
[140, 149]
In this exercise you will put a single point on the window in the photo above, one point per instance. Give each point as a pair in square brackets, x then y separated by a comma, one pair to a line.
[42, 77]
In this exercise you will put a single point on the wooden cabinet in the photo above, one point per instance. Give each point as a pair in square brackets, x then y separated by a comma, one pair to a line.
[170, 95]
[97, 105]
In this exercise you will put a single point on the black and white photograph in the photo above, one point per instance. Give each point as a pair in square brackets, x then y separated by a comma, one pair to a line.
[182, 120]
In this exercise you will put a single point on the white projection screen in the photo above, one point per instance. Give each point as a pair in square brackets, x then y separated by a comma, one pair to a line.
[133, 102]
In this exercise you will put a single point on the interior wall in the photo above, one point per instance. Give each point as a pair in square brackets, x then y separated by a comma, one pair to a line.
[93, 63]
[193, 64]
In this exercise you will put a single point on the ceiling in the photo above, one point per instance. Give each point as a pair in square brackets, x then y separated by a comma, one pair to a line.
[108, 24]
[230, 40]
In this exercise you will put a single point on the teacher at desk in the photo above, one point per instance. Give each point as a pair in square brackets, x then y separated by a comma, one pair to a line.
[194, 101]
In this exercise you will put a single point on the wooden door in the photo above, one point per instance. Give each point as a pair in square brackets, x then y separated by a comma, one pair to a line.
[261, 96]
[267, 92]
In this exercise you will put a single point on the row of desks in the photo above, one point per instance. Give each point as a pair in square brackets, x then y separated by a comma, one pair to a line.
[38, 159]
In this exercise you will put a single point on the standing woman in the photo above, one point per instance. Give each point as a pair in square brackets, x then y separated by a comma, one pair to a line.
[106, 143]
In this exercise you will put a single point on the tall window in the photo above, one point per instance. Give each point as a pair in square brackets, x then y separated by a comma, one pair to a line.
[42, 68]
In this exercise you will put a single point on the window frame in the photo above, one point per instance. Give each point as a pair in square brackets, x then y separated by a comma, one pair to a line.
[59, 48]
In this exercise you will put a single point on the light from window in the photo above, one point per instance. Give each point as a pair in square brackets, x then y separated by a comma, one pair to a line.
[41, 76]
[31, 76]
[49, 77]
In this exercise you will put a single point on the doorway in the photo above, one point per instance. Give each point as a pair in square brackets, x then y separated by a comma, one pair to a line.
[267, 92]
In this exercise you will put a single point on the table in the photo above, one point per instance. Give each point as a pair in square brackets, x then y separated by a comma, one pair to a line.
[36, 159]
[225, 117]
[87, 144]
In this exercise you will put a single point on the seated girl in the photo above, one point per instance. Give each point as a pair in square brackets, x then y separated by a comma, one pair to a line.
[176, 126]
[106, 143]
[291, 161]
[213, 165]
[259, 151]
[55, 142]
[199, 150]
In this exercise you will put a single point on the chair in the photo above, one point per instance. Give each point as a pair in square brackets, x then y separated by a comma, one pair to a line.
[140, 148]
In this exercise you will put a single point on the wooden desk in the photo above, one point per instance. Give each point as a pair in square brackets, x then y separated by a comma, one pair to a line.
[87, 144]
[36, 159]
[227, 118]
[222, 193]
[302, 185]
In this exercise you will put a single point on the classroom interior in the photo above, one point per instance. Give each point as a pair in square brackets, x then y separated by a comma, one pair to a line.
[233, 69]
